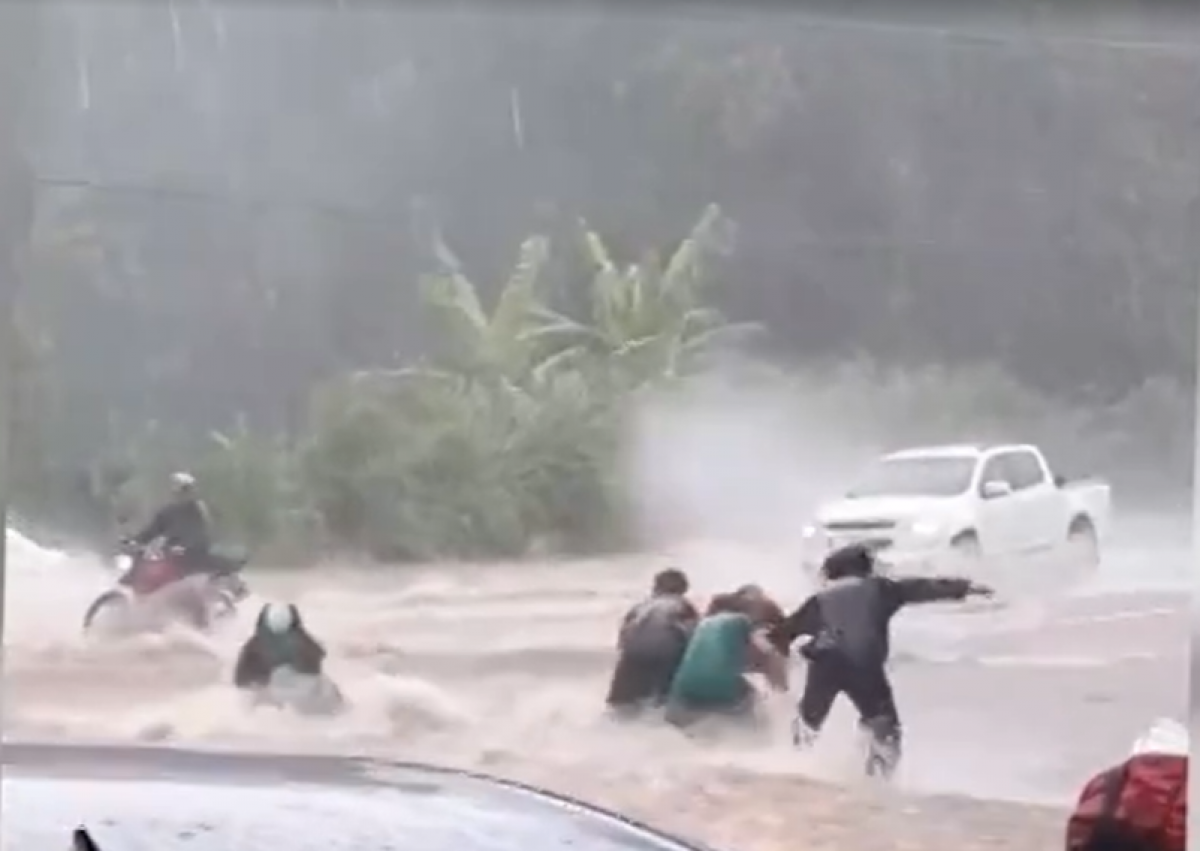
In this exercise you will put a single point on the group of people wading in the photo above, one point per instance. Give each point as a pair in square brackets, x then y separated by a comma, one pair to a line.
[692, 666]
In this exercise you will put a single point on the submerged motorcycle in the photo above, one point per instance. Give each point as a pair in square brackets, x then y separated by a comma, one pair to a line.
[153, 591]
[303, 694]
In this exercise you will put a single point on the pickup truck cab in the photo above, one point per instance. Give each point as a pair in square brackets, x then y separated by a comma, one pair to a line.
[942, 508]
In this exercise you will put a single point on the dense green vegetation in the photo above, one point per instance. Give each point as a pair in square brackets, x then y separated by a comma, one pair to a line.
[910, 194]
[506, 437]
[510, 436]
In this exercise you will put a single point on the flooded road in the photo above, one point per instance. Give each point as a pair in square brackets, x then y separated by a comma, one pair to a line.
[503, 668]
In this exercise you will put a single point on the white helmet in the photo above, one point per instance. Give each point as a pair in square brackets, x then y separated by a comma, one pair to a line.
[182, 481]
[279, 618]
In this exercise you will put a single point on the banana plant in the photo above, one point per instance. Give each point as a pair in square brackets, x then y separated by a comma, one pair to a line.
[500, 344]
[650, 320]
[511, 435]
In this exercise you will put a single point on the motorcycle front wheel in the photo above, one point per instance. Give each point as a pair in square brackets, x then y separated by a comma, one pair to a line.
[222, 605]
[110, 604]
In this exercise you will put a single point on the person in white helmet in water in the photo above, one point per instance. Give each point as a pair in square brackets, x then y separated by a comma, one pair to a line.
[280, 640]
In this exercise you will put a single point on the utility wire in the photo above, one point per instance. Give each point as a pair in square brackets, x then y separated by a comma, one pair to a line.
[978, 36]
[200, 195]
[390, 217]
[967, 39]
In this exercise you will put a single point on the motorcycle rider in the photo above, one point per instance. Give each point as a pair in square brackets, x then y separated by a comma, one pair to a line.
[848, 624]
[652, 639]
[185, 527]
[279, 640]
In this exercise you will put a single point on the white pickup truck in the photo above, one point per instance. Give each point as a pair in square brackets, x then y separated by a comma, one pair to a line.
[943, 508]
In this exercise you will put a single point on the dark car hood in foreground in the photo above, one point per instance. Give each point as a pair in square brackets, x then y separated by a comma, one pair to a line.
[158, 799]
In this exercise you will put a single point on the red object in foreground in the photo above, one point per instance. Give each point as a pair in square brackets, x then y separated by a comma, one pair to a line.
[1140, 805]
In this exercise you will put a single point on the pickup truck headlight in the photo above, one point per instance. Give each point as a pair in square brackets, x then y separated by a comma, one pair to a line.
[809, 532]
[925, 528]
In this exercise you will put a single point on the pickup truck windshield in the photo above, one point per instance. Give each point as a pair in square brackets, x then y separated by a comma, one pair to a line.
[916, 477]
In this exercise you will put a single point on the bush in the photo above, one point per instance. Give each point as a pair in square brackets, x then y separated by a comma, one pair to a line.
[509, 439]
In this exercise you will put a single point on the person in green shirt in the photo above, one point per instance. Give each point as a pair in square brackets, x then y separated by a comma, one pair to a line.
[711, 678]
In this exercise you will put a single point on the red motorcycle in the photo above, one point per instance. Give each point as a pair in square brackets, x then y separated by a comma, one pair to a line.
[147, 572]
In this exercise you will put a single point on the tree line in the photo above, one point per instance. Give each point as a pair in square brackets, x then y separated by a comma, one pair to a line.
[248, 198]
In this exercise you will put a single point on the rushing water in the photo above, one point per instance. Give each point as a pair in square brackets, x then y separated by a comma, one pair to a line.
[499, 665]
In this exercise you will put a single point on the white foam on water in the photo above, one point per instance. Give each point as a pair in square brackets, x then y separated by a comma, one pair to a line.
[25, 555]
[1073, 661]
[47, 592]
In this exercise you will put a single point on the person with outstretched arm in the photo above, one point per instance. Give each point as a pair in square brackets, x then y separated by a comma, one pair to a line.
[848, 629]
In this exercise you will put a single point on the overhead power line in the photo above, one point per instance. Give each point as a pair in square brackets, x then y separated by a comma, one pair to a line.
[874, 242]
[982, 38]
[201, 195]
[1184, 39]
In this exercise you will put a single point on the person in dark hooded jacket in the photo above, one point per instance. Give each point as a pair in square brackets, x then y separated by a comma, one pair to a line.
[652, 639]
[280, 640]
[848, 626]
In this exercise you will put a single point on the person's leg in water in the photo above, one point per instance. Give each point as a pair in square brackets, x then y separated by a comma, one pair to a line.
[661, 672]
[681, 714]
[822, 685]
[741, 710]
[198, 611]
[632, 686]
[684, 711]
[193, 565]
[870, 691]
[642, 678]
[746, 709]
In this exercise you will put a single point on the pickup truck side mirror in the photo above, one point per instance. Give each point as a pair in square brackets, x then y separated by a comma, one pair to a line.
[995, 489]
[1060, 481]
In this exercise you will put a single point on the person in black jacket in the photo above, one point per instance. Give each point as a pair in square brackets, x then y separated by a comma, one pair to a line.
[848, 627]
[184, 526]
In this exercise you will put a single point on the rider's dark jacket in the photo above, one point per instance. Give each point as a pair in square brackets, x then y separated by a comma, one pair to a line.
[183, 524]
